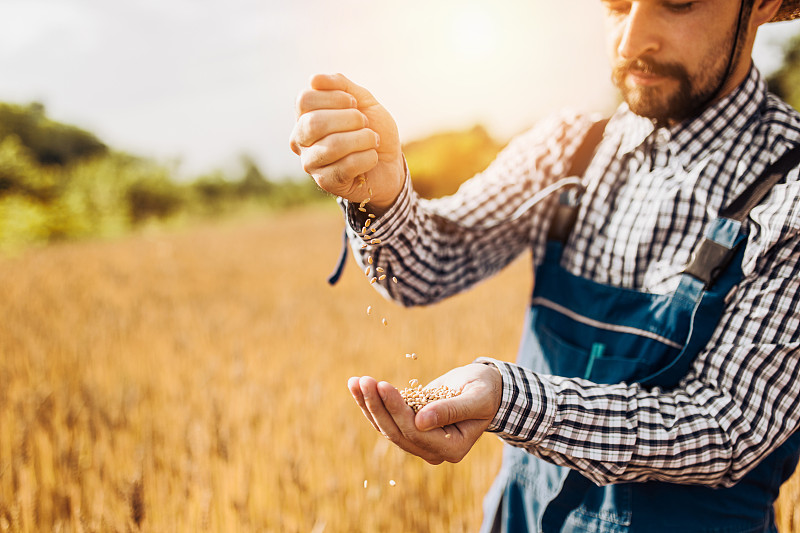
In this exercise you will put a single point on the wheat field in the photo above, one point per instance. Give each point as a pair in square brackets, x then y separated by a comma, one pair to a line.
[195, 380]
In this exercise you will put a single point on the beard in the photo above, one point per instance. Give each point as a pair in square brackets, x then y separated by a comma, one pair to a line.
[693, 93]
[664, 104]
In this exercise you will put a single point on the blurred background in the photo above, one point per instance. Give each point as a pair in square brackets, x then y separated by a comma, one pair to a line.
[171, 357]
[203, 92]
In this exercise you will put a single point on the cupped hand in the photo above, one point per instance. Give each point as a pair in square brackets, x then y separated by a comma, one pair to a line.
[444, 430]
[343, 134]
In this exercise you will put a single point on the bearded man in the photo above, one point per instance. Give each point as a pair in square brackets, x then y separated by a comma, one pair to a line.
[657, 386]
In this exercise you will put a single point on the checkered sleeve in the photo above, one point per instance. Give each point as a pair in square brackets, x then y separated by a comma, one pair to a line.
[436, 248]
[739, 401]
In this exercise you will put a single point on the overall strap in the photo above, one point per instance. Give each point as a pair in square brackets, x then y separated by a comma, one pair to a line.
[741, 206]
[333, 279]
[566, 210]
[711, 257]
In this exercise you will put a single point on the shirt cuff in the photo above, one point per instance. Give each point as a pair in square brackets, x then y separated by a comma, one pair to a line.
[382, 228]
[527, 407]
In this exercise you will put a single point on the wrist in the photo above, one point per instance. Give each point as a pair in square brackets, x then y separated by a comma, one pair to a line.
[381, 208]
[381, 205]
[495, 377]
[502, 394]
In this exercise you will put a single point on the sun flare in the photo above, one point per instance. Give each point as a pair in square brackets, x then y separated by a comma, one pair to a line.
[474, 33]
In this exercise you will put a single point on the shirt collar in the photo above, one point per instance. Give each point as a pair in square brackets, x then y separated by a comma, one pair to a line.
[692, 138]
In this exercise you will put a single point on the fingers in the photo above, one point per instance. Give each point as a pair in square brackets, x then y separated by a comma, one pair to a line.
[481, 393]
[329, 82]
[311, 100]
[337, 146]
[339, 178]
[332, 82]
[445, 412]
[355, 390]
[375, 405]
[404, 419]
[390, 412]
[316, 125]
[322, 112]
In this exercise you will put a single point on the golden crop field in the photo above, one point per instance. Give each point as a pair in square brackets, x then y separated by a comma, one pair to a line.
[195, 380]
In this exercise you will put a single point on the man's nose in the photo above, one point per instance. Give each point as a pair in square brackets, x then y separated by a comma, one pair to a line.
[638, 32]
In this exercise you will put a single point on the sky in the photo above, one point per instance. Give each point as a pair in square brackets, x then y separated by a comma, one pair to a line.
[197, 83]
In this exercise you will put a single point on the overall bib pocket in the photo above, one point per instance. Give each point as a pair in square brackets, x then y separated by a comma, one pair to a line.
[598, 358]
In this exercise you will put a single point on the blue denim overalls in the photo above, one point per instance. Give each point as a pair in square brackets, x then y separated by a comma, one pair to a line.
[578, 328]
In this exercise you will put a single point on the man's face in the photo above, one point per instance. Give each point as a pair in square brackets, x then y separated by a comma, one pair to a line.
[669, 57]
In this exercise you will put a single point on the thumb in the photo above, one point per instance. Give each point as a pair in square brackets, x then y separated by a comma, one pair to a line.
[444, 412]
[339, 82]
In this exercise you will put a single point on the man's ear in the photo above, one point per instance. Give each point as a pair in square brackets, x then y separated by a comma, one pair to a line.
[763, 11]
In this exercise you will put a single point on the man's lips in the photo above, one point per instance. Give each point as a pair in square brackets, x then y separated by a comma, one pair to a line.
[640, 77]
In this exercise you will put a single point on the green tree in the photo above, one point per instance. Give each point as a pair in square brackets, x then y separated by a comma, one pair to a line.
[154, 196]
[21, 174]
[49, 141]
[253, 182]
[441, 162]
[785, 82]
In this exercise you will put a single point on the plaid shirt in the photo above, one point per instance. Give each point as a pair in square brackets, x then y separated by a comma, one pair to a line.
[650, 194]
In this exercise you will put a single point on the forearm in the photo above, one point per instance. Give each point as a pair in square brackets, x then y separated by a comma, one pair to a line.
[738, 403]
[619, 433]
[436, 248]
[429, 253]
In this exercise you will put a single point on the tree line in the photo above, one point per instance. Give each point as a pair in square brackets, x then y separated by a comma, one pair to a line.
[785, 82]
[59, 182]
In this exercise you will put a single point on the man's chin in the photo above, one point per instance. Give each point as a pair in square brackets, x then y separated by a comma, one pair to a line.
[647, 107]
[664, 105]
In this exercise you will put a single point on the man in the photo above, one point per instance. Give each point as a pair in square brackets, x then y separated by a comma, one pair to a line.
[658, 384]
